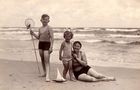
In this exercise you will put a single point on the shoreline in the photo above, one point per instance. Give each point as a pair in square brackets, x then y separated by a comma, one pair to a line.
[96, 64]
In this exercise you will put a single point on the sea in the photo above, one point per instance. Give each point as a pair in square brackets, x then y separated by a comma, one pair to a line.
[104, 46]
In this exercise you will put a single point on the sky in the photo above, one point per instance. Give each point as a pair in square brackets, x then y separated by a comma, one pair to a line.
[71, 13]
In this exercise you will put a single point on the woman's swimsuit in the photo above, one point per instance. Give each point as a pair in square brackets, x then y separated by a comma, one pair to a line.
[76, 64]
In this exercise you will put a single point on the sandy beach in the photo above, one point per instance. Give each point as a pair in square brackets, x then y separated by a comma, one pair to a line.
[109, 31]
[23, 75]
[18, 68]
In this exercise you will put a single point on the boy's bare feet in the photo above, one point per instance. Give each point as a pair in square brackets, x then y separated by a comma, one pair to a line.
[48, 80]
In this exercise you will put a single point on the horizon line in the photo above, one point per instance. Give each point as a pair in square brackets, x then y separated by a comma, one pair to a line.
[78, 27]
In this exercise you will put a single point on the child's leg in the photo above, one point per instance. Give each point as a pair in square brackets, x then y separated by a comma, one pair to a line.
[70, 70]
[47, 62]
[41, 52]
[65, 70]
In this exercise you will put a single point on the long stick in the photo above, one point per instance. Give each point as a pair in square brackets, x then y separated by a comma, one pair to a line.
[35, 53]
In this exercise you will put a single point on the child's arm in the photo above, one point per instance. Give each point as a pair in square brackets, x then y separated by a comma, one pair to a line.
[51, 39]
[32, 33]
[60, 51]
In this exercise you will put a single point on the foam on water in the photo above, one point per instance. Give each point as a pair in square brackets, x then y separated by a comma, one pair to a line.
[106, 41]
[121, 30]
[122, 42]
[9, 28]
[84, 35]
[120, 35]
[14, 32]
[92, 41]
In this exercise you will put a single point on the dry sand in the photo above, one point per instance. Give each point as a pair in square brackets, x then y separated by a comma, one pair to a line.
[23, 75]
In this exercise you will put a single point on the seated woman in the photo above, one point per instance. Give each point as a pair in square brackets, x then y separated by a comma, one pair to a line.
[81, 70]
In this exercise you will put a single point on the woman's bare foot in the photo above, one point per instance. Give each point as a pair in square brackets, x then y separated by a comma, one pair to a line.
[108, 79]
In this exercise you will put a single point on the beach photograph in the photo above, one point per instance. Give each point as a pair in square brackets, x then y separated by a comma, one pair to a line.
[109, 32]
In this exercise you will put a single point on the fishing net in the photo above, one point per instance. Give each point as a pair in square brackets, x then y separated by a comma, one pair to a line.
[29, 23]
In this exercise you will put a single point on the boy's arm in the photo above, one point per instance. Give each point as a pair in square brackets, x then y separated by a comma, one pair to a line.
[32, 33]
[51, 39]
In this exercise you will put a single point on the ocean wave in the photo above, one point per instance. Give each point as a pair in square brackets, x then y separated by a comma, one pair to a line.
[99, 41]
[84, 35]
[9, 28]
[14, 32]
[128, 30]
[92, 41]
[112, 42]
[135, 43]
[122, 42]
[121, 36]
[15, 38]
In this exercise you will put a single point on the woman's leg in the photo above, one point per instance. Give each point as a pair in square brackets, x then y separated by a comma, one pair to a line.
[99, 76]
[87, 78]
[94, 73]
[47, 62]
[41, 52]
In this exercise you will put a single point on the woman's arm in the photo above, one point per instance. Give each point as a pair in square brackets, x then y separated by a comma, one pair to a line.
[82, 60]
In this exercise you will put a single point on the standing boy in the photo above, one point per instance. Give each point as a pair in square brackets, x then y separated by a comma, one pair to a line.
[46, 38]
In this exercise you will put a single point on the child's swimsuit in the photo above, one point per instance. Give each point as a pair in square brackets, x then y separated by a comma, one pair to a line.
[44, 38]
[67, 52]
[44, 45]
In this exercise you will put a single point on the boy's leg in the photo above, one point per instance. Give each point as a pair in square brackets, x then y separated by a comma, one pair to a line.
[41, 52]
[65, 70]
[47, 62]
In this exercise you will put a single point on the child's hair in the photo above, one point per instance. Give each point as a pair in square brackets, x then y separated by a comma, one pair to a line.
[68, 33]
[45, 15]
[78, 43]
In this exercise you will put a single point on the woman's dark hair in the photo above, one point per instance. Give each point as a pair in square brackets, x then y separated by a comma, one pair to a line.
[78, 43]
